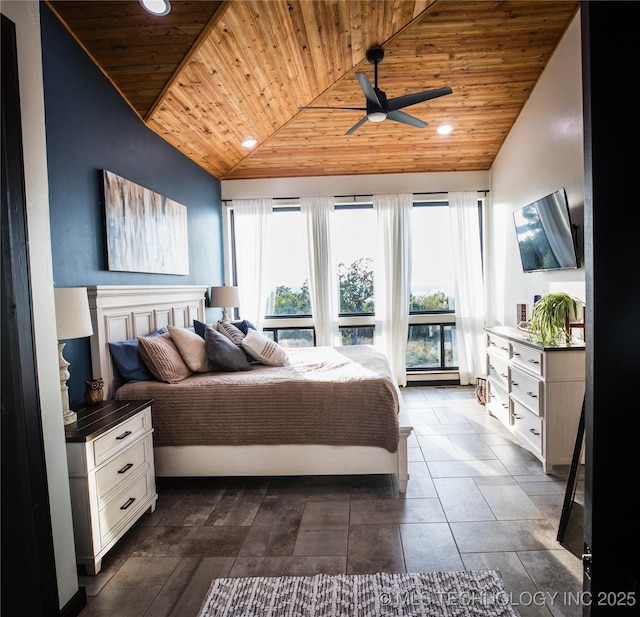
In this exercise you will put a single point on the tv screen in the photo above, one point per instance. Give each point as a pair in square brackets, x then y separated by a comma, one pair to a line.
[544, 234]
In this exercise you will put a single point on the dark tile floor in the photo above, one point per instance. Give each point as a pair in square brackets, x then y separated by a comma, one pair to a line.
[476, 500]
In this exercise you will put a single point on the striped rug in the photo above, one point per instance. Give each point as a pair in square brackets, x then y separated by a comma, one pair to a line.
[425, 594]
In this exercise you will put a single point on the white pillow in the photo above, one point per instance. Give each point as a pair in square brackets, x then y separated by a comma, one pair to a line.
[192, 348]
[264, 350]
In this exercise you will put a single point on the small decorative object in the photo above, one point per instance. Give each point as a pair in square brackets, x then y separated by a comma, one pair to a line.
[481, 388]
[94, 392]
[521, 312]
[550, 319]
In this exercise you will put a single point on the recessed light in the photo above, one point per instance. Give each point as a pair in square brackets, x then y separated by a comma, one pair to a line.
[444, 129]
[249, 142]
[156, 7]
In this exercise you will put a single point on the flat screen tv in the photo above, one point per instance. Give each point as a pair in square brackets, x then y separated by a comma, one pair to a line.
[545, 234]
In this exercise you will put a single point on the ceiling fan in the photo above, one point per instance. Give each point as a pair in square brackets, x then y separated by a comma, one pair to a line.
[380, 108]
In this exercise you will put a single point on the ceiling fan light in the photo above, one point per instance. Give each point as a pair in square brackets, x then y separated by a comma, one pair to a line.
[156, 7]
[376, 116]
[444, 129]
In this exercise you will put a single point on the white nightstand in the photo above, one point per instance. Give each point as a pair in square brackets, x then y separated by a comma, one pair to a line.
[111, 475]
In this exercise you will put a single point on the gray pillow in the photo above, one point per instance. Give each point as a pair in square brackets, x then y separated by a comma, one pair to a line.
[223, 352]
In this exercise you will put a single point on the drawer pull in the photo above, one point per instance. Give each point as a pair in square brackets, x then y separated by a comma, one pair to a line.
[503, 375]
[515, 353]
[125, 434]
[128, 503]
[534, 361]
[505, 348]
[532, 430]
[532, 395]
[125, 468]
[505, 405]
[514, 383]
[493, 368]
[516, 417]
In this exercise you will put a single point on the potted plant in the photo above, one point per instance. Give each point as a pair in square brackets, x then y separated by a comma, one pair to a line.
[550, 319]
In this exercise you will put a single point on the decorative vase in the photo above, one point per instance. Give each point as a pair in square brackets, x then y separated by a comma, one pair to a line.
[94, 392]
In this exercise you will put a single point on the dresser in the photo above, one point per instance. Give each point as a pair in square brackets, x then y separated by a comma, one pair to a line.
[537, 392]
[111, 475]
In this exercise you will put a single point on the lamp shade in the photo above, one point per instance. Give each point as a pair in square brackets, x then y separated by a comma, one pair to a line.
[73, 319]
[224, 296]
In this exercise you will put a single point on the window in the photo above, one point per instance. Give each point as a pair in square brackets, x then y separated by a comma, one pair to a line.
[287, 271]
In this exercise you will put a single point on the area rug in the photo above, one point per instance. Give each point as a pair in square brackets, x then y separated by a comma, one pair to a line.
[426, 594]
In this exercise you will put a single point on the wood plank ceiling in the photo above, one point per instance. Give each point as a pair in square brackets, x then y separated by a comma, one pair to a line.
[209, 74]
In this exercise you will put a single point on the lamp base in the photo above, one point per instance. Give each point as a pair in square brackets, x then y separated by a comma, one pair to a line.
[68, 416]
[225, 316]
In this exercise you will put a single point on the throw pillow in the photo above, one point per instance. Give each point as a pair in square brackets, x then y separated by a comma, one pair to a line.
[127, 359]
[199, 327]
[192, 349]
[162, 358]
[224, 353]
[231, 332]
[243, 325]
[264, 350]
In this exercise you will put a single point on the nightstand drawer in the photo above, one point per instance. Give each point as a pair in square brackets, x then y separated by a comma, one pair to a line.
[124, 466]
[498, 345]
[120, 437]
[527, 425]
[527, 389]
[530, 359]
[125, 505]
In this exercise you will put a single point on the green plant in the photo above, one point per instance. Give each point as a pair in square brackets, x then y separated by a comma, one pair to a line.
[550, 319]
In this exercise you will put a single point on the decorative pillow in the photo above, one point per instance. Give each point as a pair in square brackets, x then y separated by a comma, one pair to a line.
[264, 350]
[199, 327]
[127, 359]
[224, 353]
[244, 325]
[231, 332]
[162, 358]
[192, 349]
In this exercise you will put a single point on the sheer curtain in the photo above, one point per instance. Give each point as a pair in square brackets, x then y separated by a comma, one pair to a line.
[392, 279]
[465, 230]
[251, 220]
[321, 273]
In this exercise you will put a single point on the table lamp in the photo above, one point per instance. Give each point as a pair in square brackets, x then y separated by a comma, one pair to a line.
[224, 297]
[73, 320]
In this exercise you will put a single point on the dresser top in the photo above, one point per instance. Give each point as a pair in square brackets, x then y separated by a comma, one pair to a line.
[93, 420]
[522, 337]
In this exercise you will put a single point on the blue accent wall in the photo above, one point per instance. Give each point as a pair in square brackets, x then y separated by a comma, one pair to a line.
[89, 127]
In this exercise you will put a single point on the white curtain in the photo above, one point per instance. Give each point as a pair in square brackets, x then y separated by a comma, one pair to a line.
[392, 279]
[321, 273]
[251, 220]
[467, 252]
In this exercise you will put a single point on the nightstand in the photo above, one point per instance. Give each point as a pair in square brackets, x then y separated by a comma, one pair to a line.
[111, 475]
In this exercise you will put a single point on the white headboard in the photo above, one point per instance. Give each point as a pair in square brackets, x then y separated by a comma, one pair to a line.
[122, 312]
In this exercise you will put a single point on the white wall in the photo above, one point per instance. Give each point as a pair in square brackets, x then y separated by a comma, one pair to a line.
[356, 185]
[542, 153]
[25, 15]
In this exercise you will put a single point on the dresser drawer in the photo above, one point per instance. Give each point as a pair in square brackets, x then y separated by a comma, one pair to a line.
[120, 437]
[125, 505]
[498, 402]
[531, 359]
[497, 370]
[527, 389]
[123, 467]
[498, 345]
[527, 425]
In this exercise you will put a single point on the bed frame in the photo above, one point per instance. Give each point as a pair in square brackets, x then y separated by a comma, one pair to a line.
[121, 312]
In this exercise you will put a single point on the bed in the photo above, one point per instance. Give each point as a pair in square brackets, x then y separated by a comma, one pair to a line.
[256, 422]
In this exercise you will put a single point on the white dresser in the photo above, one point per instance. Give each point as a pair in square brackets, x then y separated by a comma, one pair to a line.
[537, 392]
[111, 475]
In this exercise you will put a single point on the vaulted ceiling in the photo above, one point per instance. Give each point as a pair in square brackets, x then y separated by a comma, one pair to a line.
[209, 74]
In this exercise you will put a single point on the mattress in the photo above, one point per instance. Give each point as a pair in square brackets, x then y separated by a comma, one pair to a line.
[324, 395]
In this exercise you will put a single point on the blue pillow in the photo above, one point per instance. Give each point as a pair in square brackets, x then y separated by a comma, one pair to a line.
[128, 361]
[200, 328]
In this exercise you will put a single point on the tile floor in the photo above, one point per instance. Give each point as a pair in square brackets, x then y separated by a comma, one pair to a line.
[476, 500]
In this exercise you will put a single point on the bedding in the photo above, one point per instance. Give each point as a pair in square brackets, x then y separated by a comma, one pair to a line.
[323, 395]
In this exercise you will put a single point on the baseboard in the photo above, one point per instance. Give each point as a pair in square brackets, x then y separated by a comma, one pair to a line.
[74, 606]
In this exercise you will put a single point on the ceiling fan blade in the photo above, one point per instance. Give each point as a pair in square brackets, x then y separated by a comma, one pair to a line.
[356, 126]
[351, 108]
[368, 90]
[400, 116]
[411, 99]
